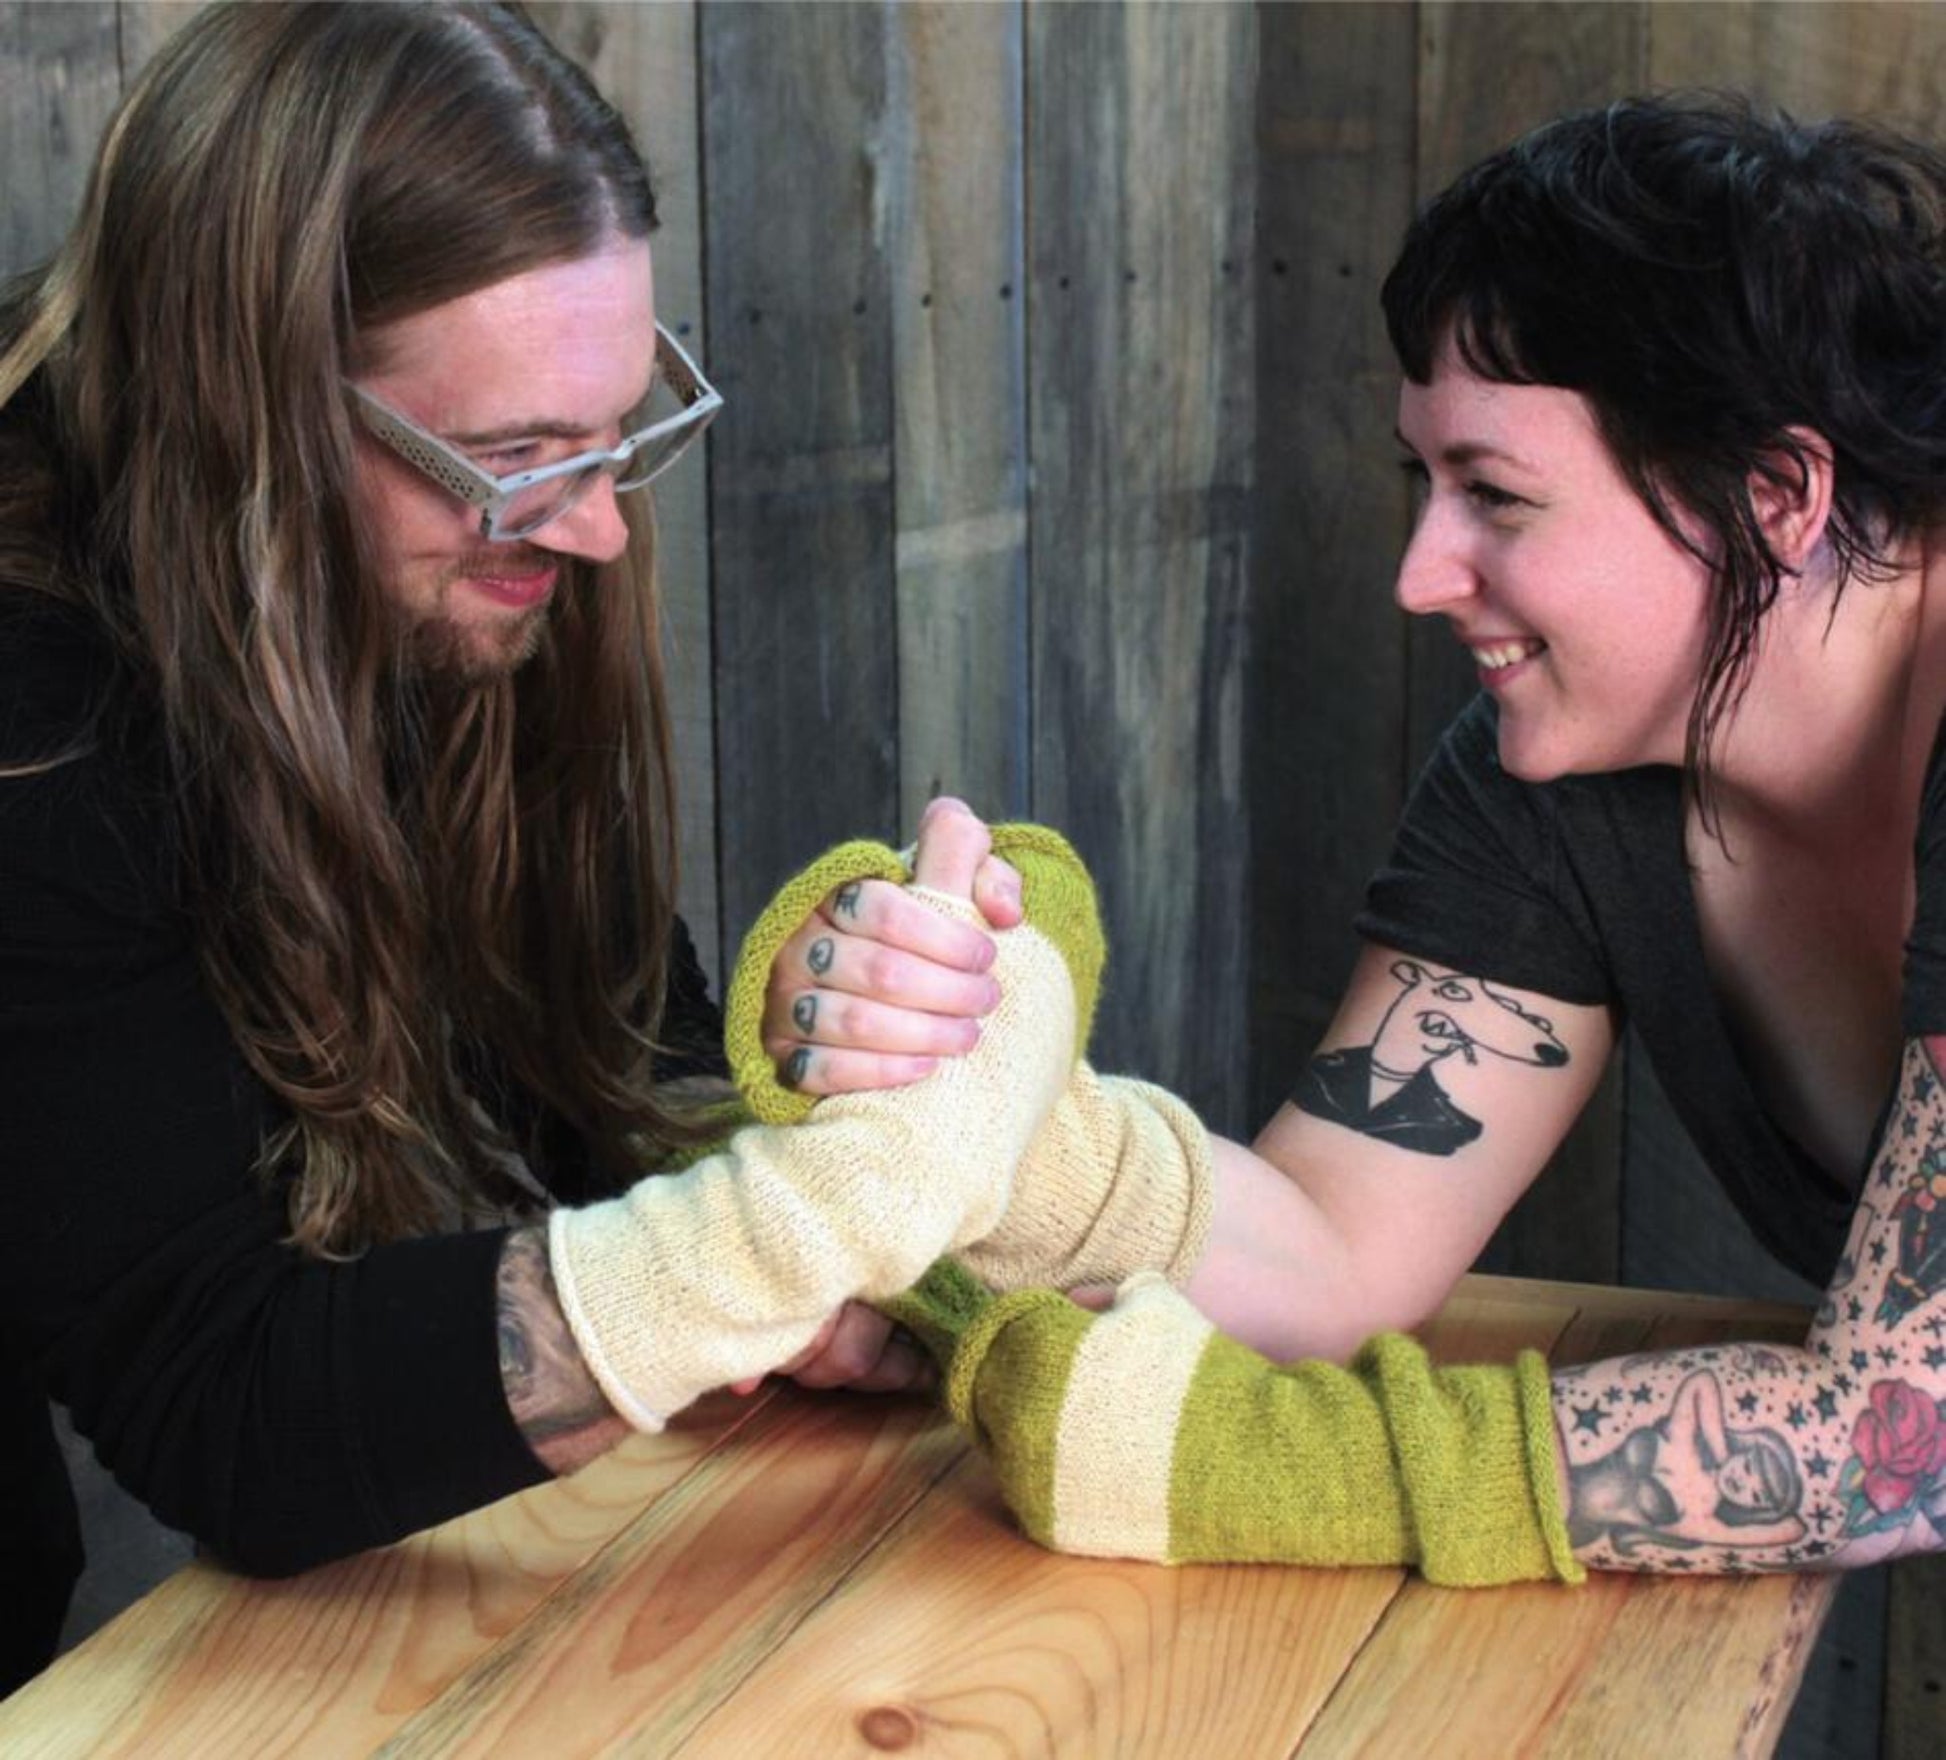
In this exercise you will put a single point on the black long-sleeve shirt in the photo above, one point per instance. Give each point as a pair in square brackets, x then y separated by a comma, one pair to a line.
[283, 1409]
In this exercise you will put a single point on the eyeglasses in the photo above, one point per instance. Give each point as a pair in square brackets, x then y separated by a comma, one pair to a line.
[517, 505]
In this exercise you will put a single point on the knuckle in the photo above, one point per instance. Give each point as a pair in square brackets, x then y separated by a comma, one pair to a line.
[884, 973]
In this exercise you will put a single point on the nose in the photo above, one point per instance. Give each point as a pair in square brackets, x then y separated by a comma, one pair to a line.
[593, 527]
[1435, 573]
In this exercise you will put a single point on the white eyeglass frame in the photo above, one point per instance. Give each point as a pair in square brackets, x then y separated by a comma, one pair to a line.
[454, 472]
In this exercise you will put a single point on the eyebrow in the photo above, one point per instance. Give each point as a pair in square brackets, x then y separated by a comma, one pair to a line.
[1469, 452]
[536, 430]
[543, 429]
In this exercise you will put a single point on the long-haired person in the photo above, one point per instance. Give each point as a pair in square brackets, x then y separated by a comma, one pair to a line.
[342, 995]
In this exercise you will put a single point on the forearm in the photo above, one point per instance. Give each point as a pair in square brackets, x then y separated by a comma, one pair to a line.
[557, 1403]
[1720, 1459]
[1283, 1275]
[1831, 1454]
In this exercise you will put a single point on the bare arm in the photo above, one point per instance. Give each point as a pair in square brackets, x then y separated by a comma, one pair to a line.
[1434, 1101]
[562, 1413]
[1831, 1454]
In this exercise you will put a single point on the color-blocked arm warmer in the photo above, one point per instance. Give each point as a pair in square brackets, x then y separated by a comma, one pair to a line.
[694, 1279]
[1118, 1180]
[1144, 1433]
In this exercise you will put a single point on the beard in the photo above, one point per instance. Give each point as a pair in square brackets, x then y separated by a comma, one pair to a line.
[437, 645]
[441, 647]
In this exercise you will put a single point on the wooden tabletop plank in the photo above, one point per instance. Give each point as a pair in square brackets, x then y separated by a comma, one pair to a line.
[959, 1636]
[1546, 1670]
[652, 1634]
[1728, 1651]
[330, 1662]
[1019, 1650]
[844, 1579]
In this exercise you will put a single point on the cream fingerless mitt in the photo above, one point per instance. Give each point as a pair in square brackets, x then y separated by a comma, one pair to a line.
[696, 1279]
[1118, 1180]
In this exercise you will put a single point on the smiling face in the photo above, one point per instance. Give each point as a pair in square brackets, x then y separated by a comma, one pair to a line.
[524, 372]
[1585, 618]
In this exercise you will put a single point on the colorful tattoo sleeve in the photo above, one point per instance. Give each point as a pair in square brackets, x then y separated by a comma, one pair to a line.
[1831, 1454]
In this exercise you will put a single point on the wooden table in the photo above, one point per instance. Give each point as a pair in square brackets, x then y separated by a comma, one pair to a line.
[816, 1575]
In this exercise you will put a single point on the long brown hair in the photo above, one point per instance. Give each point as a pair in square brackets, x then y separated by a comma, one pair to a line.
[390, 875]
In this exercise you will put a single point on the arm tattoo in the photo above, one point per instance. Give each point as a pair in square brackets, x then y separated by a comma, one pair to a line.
[1388, 1089]
[1735, 1458]
[560, 1410]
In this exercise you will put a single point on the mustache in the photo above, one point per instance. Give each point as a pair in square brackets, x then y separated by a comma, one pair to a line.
[502, 560]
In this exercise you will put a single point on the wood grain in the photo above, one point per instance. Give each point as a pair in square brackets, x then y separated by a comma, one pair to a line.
[330, 1662]
[952, 160]
[1140, 122]
[801, 491]
[673, 1615]
[805, 1574]
[1011, 1650]
[60, 68]
[1886, 61]
[1653, 1644]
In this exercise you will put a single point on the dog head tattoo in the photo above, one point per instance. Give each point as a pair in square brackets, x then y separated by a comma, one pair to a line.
[1388, 1090]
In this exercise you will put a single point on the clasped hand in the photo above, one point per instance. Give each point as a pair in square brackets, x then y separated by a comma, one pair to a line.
[870, 993]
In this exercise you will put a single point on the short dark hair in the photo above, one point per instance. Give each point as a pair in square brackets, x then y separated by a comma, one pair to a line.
[1710, 277]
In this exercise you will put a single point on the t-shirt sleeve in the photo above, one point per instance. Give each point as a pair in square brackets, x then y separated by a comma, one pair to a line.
[282, 1409]
[1477, 879]
[1924, 1004]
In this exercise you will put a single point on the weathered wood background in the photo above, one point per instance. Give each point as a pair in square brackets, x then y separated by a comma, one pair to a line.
[1056, 469]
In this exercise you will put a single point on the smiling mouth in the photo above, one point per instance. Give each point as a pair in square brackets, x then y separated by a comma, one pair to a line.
[1497, 656]
[519, 591]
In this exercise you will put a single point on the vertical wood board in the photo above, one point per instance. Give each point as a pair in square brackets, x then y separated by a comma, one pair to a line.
[60, 68]
[1140, 342]
[801, 489]
[1885, 61]
[954, 175]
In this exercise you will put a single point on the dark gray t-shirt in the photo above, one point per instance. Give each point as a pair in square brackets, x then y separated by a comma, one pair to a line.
[1579, 890]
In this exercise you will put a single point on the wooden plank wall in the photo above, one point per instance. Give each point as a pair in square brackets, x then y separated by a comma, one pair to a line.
[1056, 468]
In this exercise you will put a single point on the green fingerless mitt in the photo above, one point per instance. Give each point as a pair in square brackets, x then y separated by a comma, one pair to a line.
[1056, 894]
[1145, 1433]
[743, 1007]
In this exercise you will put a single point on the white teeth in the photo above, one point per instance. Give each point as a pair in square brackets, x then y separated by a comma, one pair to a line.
[1500, 654]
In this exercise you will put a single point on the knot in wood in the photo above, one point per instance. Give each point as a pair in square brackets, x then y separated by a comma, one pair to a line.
[888, 1728]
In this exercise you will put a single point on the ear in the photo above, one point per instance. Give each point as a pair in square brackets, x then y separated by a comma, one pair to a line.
[1790, 493]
